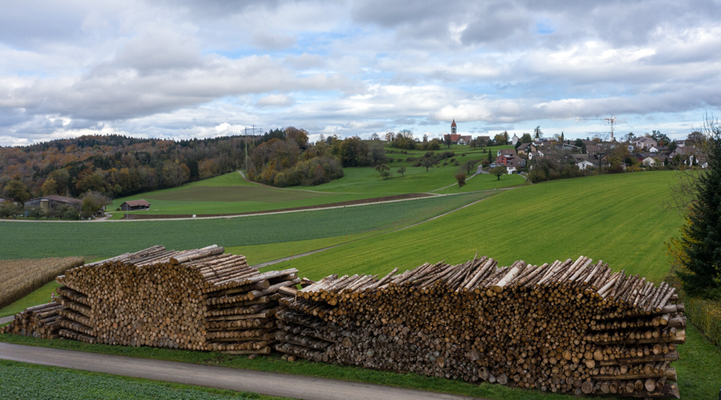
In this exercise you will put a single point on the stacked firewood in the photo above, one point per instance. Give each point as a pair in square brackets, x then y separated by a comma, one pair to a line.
[569, 326]
[195, 299]
[41, 321]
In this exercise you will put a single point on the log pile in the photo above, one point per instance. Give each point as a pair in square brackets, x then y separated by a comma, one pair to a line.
[41, 321]
[195, 299]
[568, 326]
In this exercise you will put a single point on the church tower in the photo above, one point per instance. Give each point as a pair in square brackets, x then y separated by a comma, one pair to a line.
[453, 127]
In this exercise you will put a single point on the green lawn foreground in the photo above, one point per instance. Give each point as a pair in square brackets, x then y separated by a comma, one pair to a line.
[697, 368]
[615, 218]
[30, 381]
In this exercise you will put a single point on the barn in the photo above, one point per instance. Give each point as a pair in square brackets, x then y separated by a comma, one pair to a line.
[133, 205]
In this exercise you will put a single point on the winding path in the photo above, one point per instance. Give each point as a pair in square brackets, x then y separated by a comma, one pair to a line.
[268, 383]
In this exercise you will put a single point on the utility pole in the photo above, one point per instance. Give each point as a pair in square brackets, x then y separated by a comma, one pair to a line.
[246, 148]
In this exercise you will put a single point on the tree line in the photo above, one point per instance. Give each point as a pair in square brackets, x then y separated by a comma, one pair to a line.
[289, 159]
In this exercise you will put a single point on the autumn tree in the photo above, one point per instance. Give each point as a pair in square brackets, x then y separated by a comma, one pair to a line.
[499, 171]
[468, 166]
[49, 187]
[461, 178]
[16, 190]
[92, 202]
[384, 170]
[427, 162]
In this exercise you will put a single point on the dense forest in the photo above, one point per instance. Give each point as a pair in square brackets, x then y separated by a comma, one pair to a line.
[116, 166]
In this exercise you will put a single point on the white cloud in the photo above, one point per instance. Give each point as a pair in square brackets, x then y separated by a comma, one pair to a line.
[190, 68]
[275, 100]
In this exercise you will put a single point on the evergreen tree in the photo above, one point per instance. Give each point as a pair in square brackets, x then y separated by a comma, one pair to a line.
[701, 240]
[490, 157]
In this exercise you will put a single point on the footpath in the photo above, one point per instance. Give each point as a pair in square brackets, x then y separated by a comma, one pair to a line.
[267, 383]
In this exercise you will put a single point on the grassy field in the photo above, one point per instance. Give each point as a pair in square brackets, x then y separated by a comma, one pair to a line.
[615, 218]
[230, 193]
[268, 252]
[415, 179]
[20, 277]
[697, 368]
[37, 296]
[106, 239]
[28, 381]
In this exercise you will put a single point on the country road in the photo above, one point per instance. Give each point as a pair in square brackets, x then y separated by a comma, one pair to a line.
[268, 383]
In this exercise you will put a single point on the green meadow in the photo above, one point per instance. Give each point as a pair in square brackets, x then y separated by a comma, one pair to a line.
[21, 381]
[620, 219]
[231, 194]
[107, 239]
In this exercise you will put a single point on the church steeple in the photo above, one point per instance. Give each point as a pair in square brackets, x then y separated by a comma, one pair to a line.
[453, 127]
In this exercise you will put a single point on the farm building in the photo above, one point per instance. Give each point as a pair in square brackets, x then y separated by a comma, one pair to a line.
[133, 205]
[47, 203]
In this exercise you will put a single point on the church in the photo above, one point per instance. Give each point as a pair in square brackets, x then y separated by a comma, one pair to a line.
[455, 138]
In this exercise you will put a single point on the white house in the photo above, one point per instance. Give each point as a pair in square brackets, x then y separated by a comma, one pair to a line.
[649, 161]
[583, 164]
[515, 139]
[645, 142]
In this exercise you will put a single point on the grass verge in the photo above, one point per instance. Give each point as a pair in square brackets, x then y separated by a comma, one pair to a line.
[21, 277]
[697, 368]
[36, 297]
[29, 381]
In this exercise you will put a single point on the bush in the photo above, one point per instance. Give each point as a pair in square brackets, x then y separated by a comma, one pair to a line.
[65, 212]
[706, 315]
[8, 209]
[36, 213]
[461, 178]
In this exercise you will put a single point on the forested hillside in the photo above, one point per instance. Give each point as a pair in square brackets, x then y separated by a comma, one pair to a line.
[118, 165]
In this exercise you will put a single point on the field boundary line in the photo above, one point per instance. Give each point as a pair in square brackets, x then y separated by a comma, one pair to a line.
[271, 212]
[293, 257]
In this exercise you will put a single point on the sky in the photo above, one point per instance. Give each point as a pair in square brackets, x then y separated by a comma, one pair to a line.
[194, 69]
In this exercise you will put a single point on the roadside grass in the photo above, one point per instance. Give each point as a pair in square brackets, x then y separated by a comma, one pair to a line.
[697, 368]
[30, 381]
[107, 239]
[274, 363]
[36, 297]
[615, 218]
[20, 277]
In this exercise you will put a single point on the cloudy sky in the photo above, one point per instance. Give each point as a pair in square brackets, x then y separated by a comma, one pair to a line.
[181, 69]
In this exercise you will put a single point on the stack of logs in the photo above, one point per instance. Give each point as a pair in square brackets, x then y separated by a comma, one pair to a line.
[41, 321]
[571, 326]
[195, 299]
